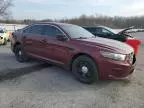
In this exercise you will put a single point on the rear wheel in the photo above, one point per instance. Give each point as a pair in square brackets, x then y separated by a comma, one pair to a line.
[20, 55]
[85, 69]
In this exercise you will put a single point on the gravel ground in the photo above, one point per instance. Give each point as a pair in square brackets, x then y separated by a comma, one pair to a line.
[52, 87]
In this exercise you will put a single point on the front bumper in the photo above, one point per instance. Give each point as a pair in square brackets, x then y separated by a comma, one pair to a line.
[111, 69]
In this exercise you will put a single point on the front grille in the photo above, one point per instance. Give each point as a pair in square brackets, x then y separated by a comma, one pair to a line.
[132, 58]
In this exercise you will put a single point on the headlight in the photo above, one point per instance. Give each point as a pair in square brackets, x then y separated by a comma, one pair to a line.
[114, 56]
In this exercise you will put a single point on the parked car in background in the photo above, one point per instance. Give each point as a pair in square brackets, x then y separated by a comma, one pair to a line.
[90, 58]
[3, 37]
[122, 35]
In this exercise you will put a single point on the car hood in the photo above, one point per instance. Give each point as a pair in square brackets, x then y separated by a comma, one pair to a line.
[124, 30]
[108, 44]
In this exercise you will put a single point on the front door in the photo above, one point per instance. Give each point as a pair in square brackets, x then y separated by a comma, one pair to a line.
[58, 51]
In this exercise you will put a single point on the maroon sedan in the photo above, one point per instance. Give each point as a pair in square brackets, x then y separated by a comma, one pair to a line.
[90, 58]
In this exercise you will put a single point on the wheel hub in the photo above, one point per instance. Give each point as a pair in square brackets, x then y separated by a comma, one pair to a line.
[84, 69]
[19, 53]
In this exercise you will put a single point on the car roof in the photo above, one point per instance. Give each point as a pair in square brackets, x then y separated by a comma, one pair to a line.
[53, 23]
[94, 26]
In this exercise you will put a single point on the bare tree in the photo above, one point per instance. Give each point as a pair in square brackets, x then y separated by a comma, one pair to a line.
[113, 22]
[4, 8]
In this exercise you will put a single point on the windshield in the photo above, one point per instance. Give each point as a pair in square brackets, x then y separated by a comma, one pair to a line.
[111, 30]
[77, 31]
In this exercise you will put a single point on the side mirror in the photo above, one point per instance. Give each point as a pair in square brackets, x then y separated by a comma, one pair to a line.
[61, 37]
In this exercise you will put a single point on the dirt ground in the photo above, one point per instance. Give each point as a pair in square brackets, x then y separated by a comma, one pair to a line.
[35, 85]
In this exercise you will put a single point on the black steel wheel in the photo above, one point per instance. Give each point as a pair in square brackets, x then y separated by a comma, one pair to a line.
[19, 53]
[85, 69]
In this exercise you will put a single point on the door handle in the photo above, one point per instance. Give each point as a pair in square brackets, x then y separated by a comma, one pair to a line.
[24, 37]
[44, 40]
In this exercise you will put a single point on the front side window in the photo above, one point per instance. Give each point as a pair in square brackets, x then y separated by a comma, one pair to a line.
[111, 30]
[51, 31]
[104, 31]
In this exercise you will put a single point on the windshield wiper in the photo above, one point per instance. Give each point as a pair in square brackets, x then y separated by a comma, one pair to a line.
[93, 36]
[81, 38]
[85, 37]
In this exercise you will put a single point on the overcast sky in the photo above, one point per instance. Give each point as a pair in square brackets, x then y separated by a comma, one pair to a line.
[56, 9]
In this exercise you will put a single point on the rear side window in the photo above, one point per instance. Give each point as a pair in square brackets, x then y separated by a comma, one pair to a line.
[34, 29]
[51, 31]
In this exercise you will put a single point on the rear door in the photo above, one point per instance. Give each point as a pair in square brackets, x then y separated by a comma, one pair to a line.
[33, 40]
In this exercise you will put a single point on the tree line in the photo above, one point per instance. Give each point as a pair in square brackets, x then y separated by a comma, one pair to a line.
[83, 20]
[113, 22]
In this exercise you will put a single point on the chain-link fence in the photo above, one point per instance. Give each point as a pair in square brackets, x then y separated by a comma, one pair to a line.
[12, 27]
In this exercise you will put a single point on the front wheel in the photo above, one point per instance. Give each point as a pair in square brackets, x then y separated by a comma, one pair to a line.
[85, 69]
[19, 53]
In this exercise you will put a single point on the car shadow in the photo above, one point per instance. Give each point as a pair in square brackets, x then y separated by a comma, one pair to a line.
[55, 79]
[43, 77]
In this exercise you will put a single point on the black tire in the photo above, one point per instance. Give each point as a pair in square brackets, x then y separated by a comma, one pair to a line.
[5, 41]
[8, 40]
[20, 55]
[90, 74]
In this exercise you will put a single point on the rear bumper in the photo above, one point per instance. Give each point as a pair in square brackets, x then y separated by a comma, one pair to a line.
[111, 69]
